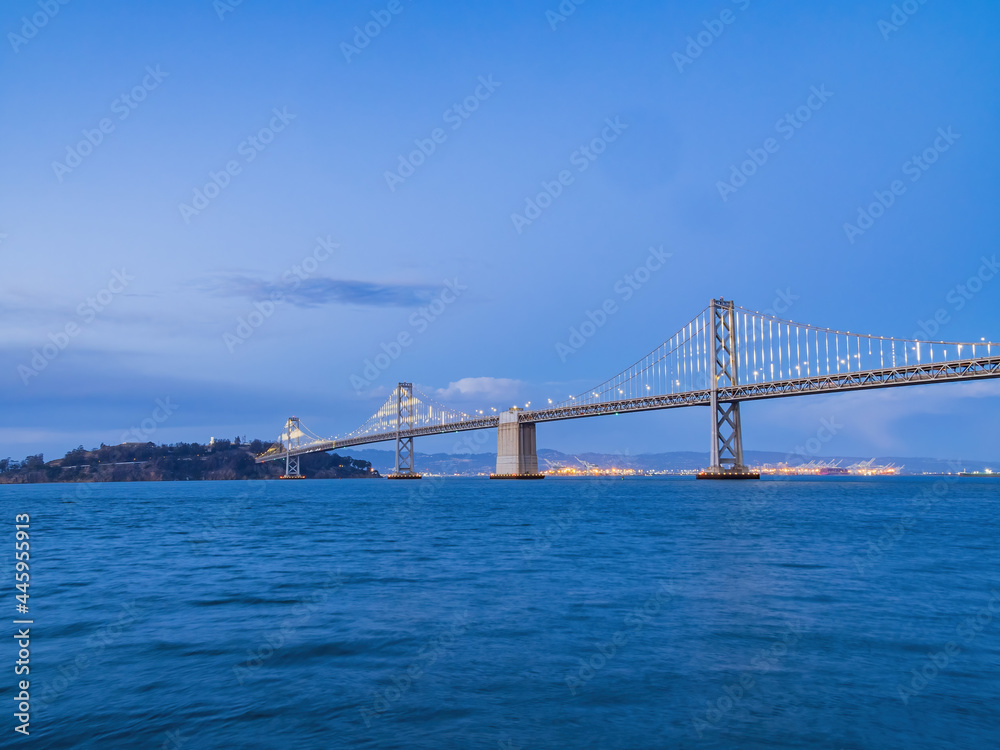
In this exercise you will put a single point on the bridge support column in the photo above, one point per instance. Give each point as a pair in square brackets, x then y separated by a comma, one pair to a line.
[292, 439]
[517, 457]
[404, 423]
[727, 434]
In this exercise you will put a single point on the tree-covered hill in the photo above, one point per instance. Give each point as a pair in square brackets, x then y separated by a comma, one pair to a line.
[147, 462]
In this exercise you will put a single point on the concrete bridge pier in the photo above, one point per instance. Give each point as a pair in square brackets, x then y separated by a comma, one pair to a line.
[517, 457]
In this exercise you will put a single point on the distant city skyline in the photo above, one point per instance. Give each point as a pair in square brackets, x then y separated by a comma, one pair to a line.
[216, 215]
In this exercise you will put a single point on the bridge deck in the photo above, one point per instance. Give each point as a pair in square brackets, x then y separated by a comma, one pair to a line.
[916, 374]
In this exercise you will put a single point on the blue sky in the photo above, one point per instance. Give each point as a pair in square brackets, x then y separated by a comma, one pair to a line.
[328, 206]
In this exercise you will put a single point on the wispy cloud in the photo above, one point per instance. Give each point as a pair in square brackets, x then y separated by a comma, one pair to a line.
[319, 291]
[490, 389]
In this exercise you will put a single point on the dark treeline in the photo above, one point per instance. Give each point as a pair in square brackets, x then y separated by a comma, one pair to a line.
[147, 462]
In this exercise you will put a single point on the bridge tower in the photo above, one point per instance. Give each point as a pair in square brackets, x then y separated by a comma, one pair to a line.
[517, 457]
[404, 423]
[727, 435]
[293, 440]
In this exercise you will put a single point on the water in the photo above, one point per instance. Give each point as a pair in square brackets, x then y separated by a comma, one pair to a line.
[646, 613]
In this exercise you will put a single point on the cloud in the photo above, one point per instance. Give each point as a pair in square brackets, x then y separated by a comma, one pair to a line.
[319, 291]
[489, 389]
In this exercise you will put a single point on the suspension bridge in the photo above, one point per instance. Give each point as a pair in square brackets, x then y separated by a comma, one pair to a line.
[722, 357]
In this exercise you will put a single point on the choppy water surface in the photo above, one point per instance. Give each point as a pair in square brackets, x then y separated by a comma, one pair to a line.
[647, 613]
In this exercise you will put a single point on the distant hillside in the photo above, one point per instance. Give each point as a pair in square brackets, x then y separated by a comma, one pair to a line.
[147, 462]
